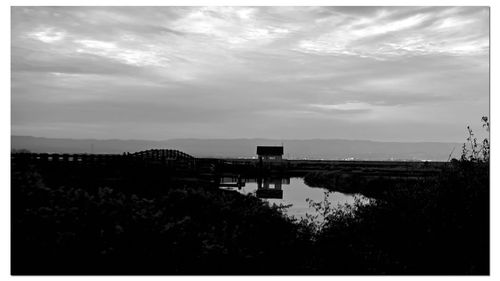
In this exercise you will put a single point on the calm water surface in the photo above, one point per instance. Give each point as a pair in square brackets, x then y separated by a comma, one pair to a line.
[296, 193]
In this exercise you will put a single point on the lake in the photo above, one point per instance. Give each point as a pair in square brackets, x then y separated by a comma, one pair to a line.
[289, 191]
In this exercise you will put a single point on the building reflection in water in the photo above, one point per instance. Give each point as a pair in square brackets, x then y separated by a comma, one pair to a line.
[267, 188]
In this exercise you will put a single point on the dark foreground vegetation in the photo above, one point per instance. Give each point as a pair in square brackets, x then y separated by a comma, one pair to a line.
[188, 230]
[432, 226]
[437, 226]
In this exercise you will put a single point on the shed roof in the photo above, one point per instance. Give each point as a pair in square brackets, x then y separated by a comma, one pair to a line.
[269, 150]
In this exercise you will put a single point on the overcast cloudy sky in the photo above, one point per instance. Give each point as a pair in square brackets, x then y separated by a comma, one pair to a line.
[376, 73]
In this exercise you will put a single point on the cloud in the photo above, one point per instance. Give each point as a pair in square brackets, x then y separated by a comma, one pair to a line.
[386, 34]
[348, 106]
[48, 35]
[125, 55]
[233, 27]
[160, 72]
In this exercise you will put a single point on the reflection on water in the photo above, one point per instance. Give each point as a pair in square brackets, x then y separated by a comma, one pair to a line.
[286, 191]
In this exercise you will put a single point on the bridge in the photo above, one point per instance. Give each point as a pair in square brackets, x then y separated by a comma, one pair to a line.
[151, 155]
[162, 154]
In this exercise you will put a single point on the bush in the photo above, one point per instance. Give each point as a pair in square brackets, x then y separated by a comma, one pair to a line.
[437, 226]
[188, 230]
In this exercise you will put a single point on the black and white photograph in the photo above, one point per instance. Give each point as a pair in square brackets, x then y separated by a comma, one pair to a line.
[250, 140]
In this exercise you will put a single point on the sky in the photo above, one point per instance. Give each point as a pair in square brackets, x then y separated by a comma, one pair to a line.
[156, 73]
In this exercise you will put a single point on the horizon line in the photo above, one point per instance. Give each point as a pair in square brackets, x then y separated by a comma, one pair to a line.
[241, 138]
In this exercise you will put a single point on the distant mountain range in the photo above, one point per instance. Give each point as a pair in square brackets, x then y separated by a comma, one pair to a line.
[334, 149]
